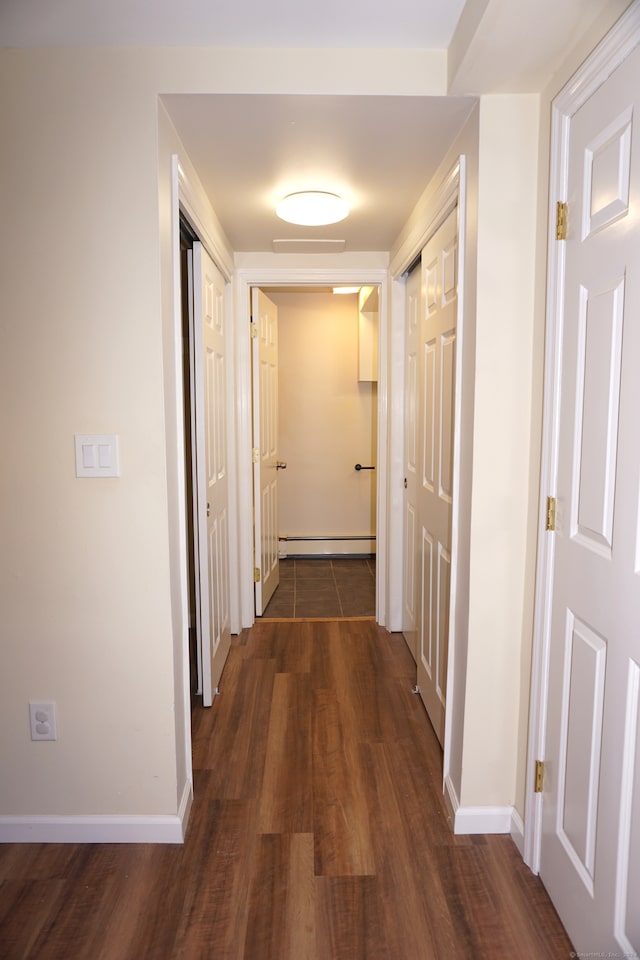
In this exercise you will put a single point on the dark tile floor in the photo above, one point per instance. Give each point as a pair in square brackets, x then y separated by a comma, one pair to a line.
[323, 587]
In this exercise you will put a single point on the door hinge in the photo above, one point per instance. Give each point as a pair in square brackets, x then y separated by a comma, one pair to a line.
[255, 455]
[254, 330]
[257, 577]
[539, 782]
[551, 514]
[562, 216]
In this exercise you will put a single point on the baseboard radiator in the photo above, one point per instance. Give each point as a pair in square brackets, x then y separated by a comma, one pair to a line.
[316, 545]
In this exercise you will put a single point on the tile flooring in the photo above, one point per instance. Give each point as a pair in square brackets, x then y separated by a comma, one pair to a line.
[324, 587]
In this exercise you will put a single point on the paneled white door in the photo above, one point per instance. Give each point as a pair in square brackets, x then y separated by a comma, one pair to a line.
[590, 854]
[437, 346]
[211, 495]
[265, 446]
[411, 579]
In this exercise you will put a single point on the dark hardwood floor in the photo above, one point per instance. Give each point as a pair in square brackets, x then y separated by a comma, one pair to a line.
[318, 832]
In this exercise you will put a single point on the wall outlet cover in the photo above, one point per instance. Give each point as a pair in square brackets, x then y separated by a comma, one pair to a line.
[42, 721]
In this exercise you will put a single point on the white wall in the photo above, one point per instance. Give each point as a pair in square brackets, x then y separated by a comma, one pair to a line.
[327, 424]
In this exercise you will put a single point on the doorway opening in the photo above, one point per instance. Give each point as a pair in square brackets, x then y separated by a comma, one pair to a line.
[327, 426]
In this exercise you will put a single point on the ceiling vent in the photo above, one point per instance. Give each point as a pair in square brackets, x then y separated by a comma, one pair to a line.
[309, 246]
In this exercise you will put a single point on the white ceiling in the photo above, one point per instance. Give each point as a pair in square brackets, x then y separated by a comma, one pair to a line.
[229, 23]
[378, 151]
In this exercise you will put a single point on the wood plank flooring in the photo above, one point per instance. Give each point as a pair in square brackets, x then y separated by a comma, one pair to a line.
[318, 832]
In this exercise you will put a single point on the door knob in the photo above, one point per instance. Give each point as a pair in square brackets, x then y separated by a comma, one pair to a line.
[405, 483]
[281, 465]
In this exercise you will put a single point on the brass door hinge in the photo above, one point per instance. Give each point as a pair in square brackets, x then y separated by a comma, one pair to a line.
[257, 577]
[539, 783]
[255, 455]
[551, 513]
[254, 330]
[562, 216]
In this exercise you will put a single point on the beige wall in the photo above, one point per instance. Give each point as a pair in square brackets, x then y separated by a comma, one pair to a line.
[88, 576]
[501, 461]
[86, 566]
[327, 422]
[84, 570]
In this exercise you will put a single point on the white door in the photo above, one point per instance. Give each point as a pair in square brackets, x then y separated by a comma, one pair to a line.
[590, 854]
[265, 447]
[437, 345]
[211, 495]
[411, 450]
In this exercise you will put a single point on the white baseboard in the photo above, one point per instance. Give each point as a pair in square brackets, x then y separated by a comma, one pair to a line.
[451, 801]
[517, 831]
[468, 820]
[99, 829]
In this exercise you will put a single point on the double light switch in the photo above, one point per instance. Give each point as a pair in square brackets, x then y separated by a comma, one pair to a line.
[97, 455]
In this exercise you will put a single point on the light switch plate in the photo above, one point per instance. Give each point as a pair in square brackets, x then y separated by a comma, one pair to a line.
[97, 455]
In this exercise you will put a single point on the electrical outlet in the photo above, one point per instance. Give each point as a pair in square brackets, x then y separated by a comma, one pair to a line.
[42, 717]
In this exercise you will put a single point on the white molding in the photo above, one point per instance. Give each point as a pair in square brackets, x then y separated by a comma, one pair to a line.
[193, 200]
[181, 456]
[450, 193]
[451, 800]
[454, 191]
[246, 278]
[395, 454]
[104, 829]
[601, 63]
[470, 820]
[517, 830]
[442, 203]
[99, 829]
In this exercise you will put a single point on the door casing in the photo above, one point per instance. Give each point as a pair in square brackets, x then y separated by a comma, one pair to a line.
[451, 193]
[245, 279]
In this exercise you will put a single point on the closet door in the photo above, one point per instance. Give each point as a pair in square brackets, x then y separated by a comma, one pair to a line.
[411, 579]
[437, 347]
[212, 482]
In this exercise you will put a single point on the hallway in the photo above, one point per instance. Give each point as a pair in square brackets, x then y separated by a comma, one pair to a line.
[318, 832]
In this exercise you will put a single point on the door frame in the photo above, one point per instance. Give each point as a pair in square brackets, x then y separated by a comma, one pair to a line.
[189, 200]
[600, 64]
[266, 277]
[451, 193]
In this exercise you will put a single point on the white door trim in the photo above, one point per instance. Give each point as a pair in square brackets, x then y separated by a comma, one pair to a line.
[188, 197]
[606, 57]
[452, 191]
[300, 277]
[190, 200]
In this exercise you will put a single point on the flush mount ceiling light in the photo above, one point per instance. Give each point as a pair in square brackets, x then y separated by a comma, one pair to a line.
[346, 289]
[312, 208]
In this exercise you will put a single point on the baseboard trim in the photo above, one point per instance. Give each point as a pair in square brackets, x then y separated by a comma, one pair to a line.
[467, 820]
[483, 820]
[451, 801]
[517, 831]
[99, 829]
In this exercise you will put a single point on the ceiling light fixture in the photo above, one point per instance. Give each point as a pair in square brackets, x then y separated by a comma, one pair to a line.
[312, 208]
[346, 289]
